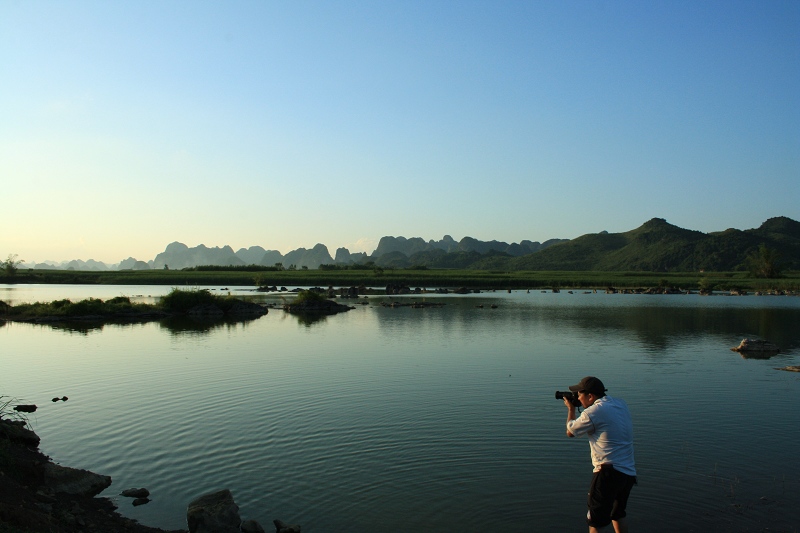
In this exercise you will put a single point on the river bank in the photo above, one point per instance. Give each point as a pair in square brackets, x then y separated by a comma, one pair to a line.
[38, 496]
[425, 278]
[34, 496]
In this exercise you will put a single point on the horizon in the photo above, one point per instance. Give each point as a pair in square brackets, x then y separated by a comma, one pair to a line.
[272, 124]
[332, 251]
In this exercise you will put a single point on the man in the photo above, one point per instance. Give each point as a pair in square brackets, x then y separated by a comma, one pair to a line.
[606, 421]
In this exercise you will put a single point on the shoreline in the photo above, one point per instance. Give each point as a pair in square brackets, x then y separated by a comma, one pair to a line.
[38, 495]
[445, 278]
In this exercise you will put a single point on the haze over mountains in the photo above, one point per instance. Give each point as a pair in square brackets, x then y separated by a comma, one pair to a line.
[654, 246]
[177, 255]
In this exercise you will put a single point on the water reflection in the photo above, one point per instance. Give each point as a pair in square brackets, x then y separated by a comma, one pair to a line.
[309, 319]
[176, 325]
[655, 328]
[758, 355]
[184, 325]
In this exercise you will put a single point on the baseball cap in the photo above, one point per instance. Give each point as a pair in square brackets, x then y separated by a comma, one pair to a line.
[589, 384]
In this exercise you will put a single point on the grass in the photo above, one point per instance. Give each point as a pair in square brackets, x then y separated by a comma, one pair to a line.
[429, 278]
[308, 296]
[65, 308]
[7, 411]
[180, 301]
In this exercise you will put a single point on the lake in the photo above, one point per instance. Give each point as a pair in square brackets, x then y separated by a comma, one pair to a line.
[386, 419]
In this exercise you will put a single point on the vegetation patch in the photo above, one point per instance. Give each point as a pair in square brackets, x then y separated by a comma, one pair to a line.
[177, 302]
[180, 301]
[120, 305]
[494, 278]
[312, 302]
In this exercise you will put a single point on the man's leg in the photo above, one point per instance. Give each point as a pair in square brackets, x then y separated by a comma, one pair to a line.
[620, 526]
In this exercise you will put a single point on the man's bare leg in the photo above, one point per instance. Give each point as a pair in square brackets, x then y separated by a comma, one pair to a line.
[620, 526]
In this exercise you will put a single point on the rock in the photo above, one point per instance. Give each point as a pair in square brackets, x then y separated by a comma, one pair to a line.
[213, 513]
[282, 527]
[45, 498]
[30, 408]
[205, 311]
[241, 308]
[251, 526]
[790, 368]
[135, 493]
[756, 345]
[322, 307]
[15, 430]
[74, 481]
[140, 501]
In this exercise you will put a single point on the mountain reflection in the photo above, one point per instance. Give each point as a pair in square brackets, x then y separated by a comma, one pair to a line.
[655, 327]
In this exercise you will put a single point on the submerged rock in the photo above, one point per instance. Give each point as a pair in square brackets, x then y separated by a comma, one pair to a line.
[282, 527]
[251, 526]
[213, 513]
[135, 493]
[756, 345]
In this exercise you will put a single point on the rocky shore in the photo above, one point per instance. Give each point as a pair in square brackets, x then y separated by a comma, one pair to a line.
[39, 496]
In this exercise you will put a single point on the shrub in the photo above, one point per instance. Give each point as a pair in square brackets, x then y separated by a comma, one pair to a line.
[91, 306]
[180, 301]
[309, 296]
[7, 411]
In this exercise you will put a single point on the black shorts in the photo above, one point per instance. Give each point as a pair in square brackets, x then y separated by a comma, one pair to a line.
[608, 496]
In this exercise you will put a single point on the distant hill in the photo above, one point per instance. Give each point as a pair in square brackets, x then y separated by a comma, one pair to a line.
[414, 246]
[659, 246]
[177, 255]
[655, 246]
[392, 252]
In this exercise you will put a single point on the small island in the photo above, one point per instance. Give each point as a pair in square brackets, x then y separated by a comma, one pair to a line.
[197, 304]
[314, 303]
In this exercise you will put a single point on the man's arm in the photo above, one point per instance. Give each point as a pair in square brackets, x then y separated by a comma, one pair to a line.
[570, 415]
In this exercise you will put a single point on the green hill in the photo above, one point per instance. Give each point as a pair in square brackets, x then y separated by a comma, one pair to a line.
[655, 246]
[658, 246]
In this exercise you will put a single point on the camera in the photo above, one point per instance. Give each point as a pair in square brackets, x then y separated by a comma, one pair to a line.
[570, 396]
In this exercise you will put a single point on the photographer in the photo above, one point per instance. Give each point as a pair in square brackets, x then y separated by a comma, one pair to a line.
[607, 423]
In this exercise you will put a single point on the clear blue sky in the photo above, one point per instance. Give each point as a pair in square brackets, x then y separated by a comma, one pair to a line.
[127, 125]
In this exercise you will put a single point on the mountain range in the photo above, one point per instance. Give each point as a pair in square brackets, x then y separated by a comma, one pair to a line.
[654, 246]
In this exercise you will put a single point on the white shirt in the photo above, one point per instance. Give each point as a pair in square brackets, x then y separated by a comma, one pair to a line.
[607, 423]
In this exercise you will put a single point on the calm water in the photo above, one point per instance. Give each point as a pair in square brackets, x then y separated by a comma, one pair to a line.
[440, 419]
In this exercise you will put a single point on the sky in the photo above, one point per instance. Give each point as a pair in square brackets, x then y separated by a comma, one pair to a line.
[127, 125]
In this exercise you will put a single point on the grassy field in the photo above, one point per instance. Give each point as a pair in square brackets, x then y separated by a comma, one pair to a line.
[431, 278]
